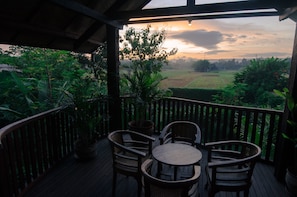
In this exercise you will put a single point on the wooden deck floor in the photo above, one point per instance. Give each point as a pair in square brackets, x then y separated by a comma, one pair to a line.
[72, 178]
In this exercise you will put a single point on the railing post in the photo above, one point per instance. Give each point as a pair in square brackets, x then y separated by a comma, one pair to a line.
[4, 177]
[283, 153]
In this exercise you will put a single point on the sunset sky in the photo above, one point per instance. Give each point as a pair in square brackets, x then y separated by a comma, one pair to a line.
[226, 38]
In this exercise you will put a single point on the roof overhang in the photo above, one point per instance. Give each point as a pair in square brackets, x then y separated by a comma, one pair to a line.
[74, 25]
[80, 25]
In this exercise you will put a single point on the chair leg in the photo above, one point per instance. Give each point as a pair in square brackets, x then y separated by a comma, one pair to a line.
[246, 193]
[139, 187]
[206, 185]
[211, 193]
[114, 181]
[159, 169]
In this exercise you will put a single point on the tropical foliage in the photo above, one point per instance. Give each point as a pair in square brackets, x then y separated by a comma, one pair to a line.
[291, 134]
[254, 85]
[42, 76]
[141, 77]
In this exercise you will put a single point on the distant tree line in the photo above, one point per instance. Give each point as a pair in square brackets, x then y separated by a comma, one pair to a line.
[207, 66]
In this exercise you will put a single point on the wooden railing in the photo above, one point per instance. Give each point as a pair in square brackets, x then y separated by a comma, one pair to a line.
[217, 121]
[30, 147]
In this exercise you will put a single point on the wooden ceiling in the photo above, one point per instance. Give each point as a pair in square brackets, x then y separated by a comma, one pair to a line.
[74, 25]
[80, 25]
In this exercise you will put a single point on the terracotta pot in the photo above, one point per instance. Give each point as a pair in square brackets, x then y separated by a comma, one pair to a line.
[143, 126]
[85, 152]
[291, 183]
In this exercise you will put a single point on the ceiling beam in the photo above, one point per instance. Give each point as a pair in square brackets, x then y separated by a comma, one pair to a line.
[289, 13]
[90, 32]
[198, 9]
[33, 28]
[204, 17]
[82, 9]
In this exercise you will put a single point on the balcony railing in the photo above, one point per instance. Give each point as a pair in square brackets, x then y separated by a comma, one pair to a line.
[30, 147]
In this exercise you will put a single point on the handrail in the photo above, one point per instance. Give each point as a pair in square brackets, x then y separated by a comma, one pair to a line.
[18, 124]
[216, 121]
[30, 147]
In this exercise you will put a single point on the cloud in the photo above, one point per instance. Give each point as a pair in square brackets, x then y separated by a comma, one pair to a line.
[230, 38]
[214, 52]
[201, 38]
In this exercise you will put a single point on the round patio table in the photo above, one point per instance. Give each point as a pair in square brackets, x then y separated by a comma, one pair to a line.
[176, 155]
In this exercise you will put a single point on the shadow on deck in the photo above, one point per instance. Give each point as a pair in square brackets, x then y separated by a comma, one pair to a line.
[94, 178]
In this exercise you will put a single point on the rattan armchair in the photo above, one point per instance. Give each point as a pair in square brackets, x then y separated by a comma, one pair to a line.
[155, 187]
[181, 132]
[230, 166]
[128, 154]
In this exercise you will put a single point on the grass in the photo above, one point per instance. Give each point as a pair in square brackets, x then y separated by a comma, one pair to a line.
[191, 79]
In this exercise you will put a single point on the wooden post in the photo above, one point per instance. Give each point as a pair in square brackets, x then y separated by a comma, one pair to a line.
[190, 3]
[282, 157]
[113, 77]
[4, 173]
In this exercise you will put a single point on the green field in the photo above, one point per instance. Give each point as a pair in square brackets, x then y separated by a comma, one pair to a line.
[192, 79]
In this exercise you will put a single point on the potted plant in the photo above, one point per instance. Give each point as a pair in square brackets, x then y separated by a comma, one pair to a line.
[85, 122]
[291, 137]
[82, 93]
[141, 76]
[144, 89]
[80, 107]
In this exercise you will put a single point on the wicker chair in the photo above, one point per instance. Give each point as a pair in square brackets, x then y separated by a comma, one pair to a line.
[230, 166]
[181, 132]
[155, 187]
[128, 154]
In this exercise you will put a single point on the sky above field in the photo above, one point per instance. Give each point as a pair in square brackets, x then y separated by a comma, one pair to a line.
[238, 38]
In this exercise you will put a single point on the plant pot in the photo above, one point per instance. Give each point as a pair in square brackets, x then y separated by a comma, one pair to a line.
[83, 151]
[291, 183]
[142, 126]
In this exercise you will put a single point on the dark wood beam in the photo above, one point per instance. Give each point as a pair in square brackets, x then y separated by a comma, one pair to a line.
[282, 156]
[87, 34]
[203, 17]
[82, 9]
[33, 28]
[289, 13]
[190, 3]
[29, 28]
[198, 9]
[113, 77]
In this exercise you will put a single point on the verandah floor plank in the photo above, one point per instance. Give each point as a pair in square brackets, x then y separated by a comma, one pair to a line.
[72, 178]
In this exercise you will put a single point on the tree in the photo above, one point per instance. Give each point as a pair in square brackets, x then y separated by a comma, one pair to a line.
[146, 57]
[44, 75]
[254, 85]
[201, 66]
[141, 77]
[34, 87]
